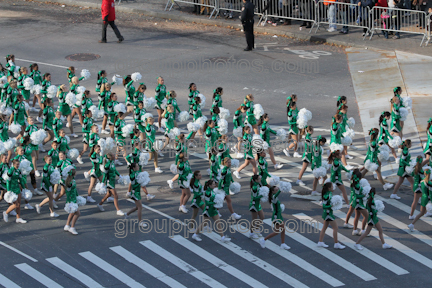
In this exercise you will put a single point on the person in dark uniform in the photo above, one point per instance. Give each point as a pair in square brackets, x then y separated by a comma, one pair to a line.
[246, 18]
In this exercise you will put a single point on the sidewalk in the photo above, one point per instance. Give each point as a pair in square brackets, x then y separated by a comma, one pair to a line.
[155, 8]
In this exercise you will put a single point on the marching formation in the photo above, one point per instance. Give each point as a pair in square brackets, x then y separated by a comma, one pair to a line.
[22, 143]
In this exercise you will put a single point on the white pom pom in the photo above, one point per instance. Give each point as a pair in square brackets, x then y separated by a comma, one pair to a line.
[3, 81]
[351, 122]
[149, 103]
[183, 116]
[429, 207]
[193, 127]
[301, 121]
[201, 121]
[124, 180]
[15, 128]
[379, 206]
[364, 183]
[27, 194]
[117, 79]
[28, 83]
[5, 110]
[264, 191]
[224, 113]
[10, 144]
[109, 144]
[349, 175]
[65, 171]
[395, 142]
[174, 132]
[187, 183]
[120, 108]
[346, 141]
[407, 102]
[164, 103]
[96, 113]
[55, 177]
[329, 181]
[70, 99]
[2, 148]
[319, 172]
[409, 169]
[38, 137]
[173, 169]
[284, 186]
[136, 76]
[238, 132]
[101, 143]
[67, 139]
[366, 191]
[273, 180]
[101, 188]
[383, 155]
[336, 147]
[282, 206]
[235, 163]
[222, 126]
[144, 158]
[208, 171]
[219, 199]
[81, 201]
[73, 154]
[71, 207]
[336, 202]
[158, 145]
[235, 187]
[36, 89]
[143, 179]
[145, 116]
[258, 111]
[370, 166]
[281, 134]
[25, 167]
[203, 100]
[86, 74]
[403, 112]
[80, 90]
[258, 144]
[127, 130]
[51, 91]
[10, 197]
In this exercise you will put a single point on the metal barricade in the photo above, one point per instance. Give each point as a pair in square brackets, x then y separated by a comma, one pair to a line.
[230, 6]
[400, 20]
[343, 14]
[428, 28]
[204, 5]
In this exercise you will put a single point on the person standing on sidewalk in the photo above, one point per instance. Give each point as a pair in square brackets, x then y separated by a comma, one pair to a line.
[246, 18]
[108, 17]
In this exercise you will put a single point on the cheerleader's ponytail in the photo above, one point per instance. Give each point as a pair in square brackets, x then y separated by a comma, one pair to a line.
[194, 177]
[325, 189]
[207, 184]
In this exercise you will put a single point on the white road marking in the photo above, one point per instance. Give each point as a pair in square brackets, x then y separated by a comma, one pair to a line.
[41, 63]
[5, 282]
[41, 278]
[17, 251]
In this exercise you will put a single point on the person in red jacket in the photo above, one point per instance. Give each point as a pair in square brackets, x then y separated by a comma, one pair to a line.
[108, 17]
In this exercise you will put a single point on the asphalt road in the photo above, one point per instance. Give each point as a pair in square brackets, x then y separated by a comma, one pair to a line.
[103, 251]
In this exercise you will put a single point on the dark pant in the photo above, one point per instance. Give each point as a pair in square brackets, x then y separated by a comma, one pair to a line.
[248, 30]
[113, 26]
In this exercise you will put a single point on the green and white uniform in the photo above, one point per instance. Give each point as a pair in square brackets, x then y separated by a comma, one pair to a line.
[57, 125]
[427, 151]
[63, 106]
[255, 203]
[111, 113]
[276, 207]
[4, 126]
[292, 121]
[317, 155]
[336, 168]
[173, 102]
[24, 92]
[225, 179]
[93, 139]
[395, 119]
[335, 132]
[71, 193]
[104, 99]
[135, 186]
[86, 129]
[16, 181]
[417, 180]
[426, 193]
[265, 132]
[170, 117]
[48, 118]
[36, 76]
[96, 160]
[4, 167]
[196, 111]
[130, 91]
[183, 171]
[327, 207]
[372, 153]
[211, 135]
[358, 199]
[63, 145]
[247, 142]
[54, 154]
[44, 90]
[151, 137]
[109, 177]
[214, 168]
[238, 119]
[308, 153]
[86, 103]
[198, 193]
[191, 100]
[160, 96]
[137, 118]
[209, 210]
[404, 161]
[28, 132]
[384, 134]
[250, 116]
[372, 217]
[20, 115]
[48, 169]
[262, 170]
[138, 97]
[120, 139]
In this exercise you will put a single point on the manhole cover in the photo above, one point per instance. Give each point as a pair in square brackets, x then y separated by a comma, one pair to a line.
[219, 59]
[165, 189]
[82, 57]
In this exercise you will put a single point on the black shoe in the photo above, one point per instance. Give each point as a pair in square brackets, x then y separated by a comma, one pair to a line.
[102, 41]
[120, 40]
[303, 24]
[308, 25]
[343, 32]
[247, 49]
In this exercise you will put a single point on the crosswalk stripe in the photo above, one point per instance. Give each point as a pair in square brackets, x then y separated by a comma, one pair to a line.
[146, 267]
[293, 259]
[116, 273]
[217, 262]
[83, 278]
[5, 282]
[181, 264]
[365, 252]
[327, 254]
[396, 244]
[258, 262]
[41, 278]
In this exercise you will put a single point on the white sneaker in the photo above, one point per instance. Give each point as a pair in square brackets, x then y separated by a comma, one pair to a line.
[28, 206]
[37, 173]
[161, 129]
[300, 182]
[117, 162]
[142, 224]
[90, 199]
[160, 154]
[73, 231]
[315, 193]
[193, 230]
[158, 170]
[231, 193]
[349, 156]
[196, 237]
[105, 132]
[278, 166]
[375, 176]
[284, 246]
[120, 213]
[225, 239]
[12, 213]
[321, 180]
[338, 246]
[322, 244]
[220, 215]
[37, 192]
[150, 196]
[39, 119]
[37, 208]
[236, 174]
[66, 228]
[331, 29]
[428, 214]
[297, 155]
[286, 152]
[5, 217]
[87, 176]
[364, 231]
[41, 148]
[183, 209]
[207, 229]
[253, 235]
[262, 243]
[356, 232]
[397, 160]
[386, 246]
[358, 246]
[395, 196]
[349, 167]
[54, 215]
[67, 124]
[79, 160]
[411, 227]
[55, 205]
[20, 220]
[100, 208]
[411, 217]
[74, 135]
[387, 186]
[347, 225]
[235, 216]
[110, 200]
[170, 184]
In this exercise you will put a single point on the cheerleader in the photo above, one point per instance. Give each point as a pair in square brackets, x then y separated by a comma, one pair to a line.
[120, 139]
[57, 124]
[193, 93]
[211, 135]
[196, 112]
[64, 108]
[277, 220]
[255, 205]
[326, 196]
[37, 79]
[317, 161]
[342, 110]
[426, 188]
[397, 91]
[372, 220]
[63, 144]
[180, 149]
[76, 109]
[210, 212]
[112, 114]
[139, 112]
[23, 76]
[130, 91]
[4, 167]
[428, 149]
[104, 100]
[214, 165]
[15, 184]
[250, 116]
[71, 197]
[25, 152]
[336, 135]
[336, 177]
[171, 100]
[4, 136]
[46, 186]
[160, 96]
[217, 97]
[54, 153]
[12, 93]
[248, 156]
[61, 165]
[262, 167]
[48, 121]
[307, 154]
[404, 161]
[223, 150]
[292, 112]
[357, 204]
[184, 170]
[197, 201]
[86, 129]
[372, 157]
[135, 194]
[168, 114]
[30, 129]
[238, 123]
[224, 184]
[20, 114]
[46, 83]
[10, 65]
[101, 79]
[139, 96]
[395, 126]
[109, 179]
[384, 135]
[265, 135]
[151, 138]
[86, 102]
[418, 175]
[95, 173]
